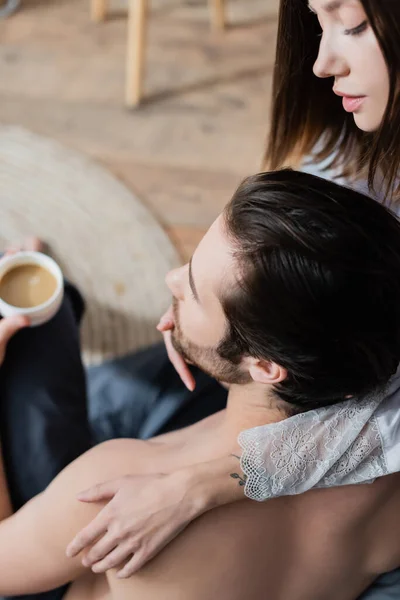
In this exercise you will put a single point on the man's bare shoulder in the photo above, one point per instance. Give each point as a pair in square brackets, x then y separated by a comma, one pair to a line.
[181, 436]
[108, 460]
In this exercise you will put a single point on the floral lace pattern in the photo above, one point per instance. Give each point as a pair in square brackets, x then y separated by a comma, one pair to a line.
[336, 445]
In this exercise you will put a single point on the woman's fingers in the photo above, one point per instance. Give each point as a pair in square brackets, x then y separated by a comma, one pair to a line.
[104, 546]
[115, 558]
[166, 326]
[167, 320]
[89, 534]
[134, 564]
[10, 326]
[144, 516]
[100, 491]
[178, 362]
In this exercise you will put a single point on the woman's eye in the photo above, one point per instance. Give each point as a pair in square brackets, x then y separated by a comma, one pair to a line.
[357, 30]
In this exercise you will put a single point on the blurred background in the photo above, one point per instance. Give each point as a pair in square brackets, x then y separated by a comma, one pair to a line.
[179, 146]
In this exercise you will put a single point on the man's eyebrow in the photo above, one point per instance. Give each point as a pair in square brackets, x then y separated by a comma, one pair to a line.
[329, 7]
[192, 284]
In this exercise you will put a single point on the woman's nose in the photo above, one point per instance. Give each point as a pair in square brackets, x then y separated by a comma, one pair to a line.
[174, 281]
[329, 62]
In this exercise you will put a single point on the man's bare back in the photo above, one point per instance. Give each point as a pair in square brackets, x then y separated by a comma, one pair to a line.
[322, 545]
[326, 544]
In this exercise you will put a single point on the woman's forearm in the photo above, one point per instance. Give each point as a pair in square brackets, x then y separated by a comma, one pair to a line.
[215, 483]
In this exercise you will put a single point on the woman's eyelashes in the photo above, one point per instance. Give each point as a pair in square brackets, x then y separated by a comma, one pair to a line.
[357, 30]
[353, 31]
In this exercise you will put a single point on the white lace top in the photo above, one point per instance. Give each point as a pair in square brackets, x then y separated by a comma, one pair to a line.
[348, 443]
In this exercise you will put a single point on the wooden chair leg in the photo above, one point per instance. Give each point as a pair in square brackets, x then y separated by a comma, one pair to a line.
[217, 12]
[137, 26]
[98, 10]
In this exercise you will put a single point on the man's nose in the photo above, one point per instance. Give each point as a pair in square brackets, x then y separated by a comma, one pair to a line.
[174, 280]
[329, 62]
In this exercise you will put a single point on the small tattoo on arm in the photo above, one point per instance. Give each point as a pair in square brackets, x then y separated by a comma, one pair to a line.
[241, 478]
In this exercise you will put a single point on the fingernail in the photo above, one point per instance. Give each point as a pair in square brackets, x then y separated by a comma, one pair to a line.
[164, 327]
[71, 552]
[189, 384]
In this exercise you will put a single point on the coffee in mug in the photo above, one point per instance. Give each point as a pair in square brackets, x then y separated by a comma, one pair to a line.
[26, 286]
[31, 284]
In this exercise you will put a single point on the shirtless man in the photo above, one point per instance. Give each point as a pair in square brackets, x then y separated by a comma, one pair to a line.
[293, 298]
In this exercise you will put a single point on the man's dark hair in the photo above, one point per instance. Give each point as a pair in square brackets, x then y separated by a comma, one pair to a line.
[319, 286]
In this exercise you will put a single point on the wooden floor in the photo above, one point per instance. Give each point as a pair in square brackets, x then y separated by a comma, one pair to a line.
[203, 125]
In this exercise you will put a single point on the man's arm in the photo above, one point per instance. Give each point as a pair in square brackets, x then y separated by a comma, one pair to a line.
[33, 540]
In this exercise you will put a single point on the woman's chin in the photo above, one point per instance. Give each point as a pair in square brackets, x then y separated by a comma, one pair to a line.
[366, 121]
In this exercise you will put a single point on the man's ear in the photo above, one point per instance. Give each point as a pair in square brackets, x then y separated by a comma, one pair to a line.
[265, 371]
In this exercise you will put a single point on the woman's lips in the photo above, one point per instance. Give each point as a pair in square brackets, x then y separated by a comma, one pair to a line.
[352, 103]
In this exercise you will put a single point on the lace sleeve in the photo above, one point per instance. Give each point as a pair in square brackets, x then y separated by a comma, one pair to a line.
[337, 445]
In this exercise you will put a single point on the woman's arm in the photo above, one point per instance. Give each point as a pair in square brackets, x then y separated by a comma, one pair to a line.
[145, 513]
[220, 481]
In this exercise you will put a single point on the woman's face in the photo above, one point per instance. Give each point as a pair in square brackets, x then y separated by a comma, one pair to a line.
[349, 52]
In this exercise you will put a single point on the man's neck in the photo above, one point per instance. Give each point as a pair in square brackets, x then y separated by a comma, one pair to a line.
[251, 405]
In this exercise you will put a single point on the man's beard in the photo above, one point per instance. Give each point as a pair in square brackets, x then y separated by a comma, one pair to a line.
[207, 359]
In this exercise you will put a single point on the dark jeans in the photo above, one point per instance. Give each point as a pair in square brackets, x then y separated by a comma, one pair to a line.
[46, 419]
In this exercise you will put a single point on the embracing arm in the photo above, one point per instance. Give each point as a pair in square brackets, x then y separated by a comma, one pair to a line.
[145, 513]
[220, 481]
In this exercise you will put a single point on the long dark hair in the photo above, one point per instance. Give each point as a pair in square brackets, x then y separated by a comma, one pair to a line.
[305, 111]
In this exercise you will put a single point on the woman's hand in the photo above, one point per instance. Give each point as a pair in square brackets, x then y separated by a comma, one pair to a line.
[166, 326]
[144, 514]
[8, 328]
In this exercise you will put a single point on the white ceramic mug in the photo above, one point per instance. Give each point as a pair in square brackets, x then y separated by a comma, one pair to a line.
[43, 312]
